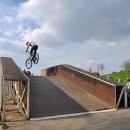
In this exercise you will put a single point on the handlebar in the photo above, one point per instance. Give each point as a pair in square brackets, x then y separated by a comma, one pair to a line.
[28, 52]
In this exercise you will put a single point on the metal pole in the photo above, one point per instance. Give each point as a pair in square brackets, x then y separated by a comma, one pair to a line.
[125, 97]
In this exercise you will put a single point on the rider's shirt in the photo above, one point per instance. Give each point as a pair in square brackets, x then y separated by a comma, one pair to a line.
[32, 44]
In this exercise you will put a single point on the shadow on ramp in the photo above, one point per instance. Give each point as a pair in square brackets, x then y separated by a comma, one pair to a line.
[46, 99]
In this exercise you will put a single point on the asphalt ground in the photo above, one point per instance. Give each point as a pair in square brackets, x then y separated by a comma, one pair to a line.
[115, 120]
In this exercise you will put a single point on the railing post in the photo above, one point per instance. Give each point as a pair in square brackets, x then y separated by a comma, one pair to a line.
[125, 97]
[28, 98]
[120, 97]
[4, 102]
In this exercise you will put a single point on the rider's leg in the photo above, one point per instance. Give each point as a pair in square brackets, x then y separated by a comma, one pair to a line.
[33, 52]
[35, 49]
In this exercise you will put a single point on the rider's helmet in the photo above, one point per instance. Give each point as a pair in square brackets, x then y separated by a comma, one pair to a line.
[27, 43]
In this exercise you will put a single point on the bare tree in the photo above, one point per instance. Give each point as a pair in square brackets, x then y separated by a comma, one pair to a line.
[101, 67]
[90, 69]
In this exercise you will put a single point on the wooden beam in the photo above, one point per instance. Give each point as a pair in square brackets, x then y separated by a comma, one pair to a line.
[120, 97]
[28, 98]
[125, 97]
[4, 102]
[16, 99]
[23, 94]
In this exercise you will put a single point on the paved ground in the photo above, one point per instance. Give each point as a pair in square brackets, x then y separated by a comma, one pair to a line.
[116, 120]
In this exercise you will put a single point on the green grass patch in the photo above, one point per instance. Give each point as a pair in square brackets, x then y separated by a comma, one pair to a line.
[122, 76]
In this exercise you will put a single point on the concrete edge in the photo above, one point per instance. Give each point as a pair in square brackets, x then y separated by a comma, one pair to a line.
[71, 115]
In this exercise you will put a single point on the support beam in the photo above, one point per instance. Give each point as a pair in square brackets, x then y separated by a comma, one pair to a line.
[23, 94]
[120, 97]
[28, 102]
[16, 99]
[4, 102]
[125, 97]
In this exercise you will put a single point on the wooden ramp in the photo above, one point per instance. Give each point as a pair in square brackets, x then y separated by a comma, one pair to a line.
[52, 96]
[11, 71]
[14, 85]
[46, 99]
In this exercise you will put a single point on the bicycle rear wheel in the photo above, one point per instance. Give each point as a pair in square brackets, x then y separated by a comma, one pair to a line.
[28, 63]
[52, 71]
[37, 58]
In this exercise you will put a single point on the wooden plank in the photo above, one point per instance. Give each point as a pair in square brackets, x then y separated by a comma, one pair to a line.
[120, 97]
[4, 102]
[28, 99]
[46, 99]
[11, 71]
[22, 112]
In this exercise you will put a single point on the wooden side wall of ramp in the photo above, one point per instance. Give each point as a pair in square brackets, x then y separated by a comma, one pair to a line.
[95, 85]
[14, 85]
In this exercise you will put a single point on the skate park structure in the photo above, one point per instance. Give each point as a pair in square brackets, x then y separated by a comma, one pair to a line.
[59, 91]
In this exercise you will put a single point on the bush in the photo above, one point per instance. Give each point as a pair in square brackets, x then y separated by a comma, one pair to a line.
[97, 73]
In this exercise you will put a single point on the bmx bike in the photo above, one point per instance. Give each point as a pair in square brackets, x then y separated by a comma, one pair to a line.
[31, 60]
[52, 71]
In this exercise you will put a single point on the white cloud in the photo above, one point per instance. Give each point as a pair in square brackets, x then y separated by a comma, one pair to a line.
[8, 33]
[81, 33]
[19, 28]
[7, 19]
[92, 63]
[96, 42]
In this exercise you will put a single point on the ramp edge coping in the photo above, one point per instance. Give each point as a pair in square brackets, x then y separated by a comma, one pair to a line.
[71, 115]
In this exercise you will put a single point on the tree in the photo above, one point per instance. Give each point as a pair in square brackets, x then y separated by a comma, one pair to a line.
[101, 67]
[126, 65]
[90, 69]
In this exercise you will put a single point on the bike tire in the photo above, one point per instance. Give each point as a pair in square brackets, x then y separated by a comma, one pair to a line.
[28, 63]
[37, 58]
[52, 71]
[55, 70]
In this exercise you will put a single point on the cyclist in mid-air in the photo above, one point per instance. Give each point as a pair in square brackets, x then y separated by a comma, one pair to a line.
[33, 49]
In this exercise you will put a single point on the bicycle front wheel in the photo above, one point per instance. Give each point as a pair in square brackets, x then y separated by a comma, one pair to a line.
[28, 63]
[37, 58]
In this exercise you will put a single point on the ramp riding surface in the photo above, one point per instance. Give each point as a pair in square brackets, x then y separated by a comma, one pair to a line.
[46, 99]
[11, 71]
[52, 96]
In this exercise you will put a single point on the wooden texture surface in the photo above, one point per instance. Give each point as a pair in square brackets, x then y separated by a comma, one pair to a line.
[11, 71]
[51, 96]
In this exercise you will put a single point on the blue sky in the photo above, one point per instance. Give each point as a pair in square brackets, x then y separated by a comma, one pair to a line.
[82, 33]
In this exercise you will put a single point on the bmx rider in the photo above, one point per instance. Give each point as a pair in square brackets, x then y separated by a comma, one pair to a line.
[33, 46]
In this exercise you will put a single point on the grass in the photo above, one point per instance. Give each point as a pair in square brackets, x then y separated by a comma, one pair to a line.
[118, 76]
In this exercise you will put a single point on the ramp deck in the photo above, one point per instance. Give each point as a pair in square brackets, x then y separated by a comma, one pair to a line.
[11, 71]
[51, 96]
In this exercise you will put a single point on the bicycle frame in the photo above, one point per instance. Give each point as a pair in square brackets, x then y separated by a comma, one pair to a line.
[29, 60]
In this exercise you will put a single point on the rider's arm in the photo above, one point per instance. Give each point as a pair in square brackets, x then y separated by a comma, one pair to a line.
[27, 47]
